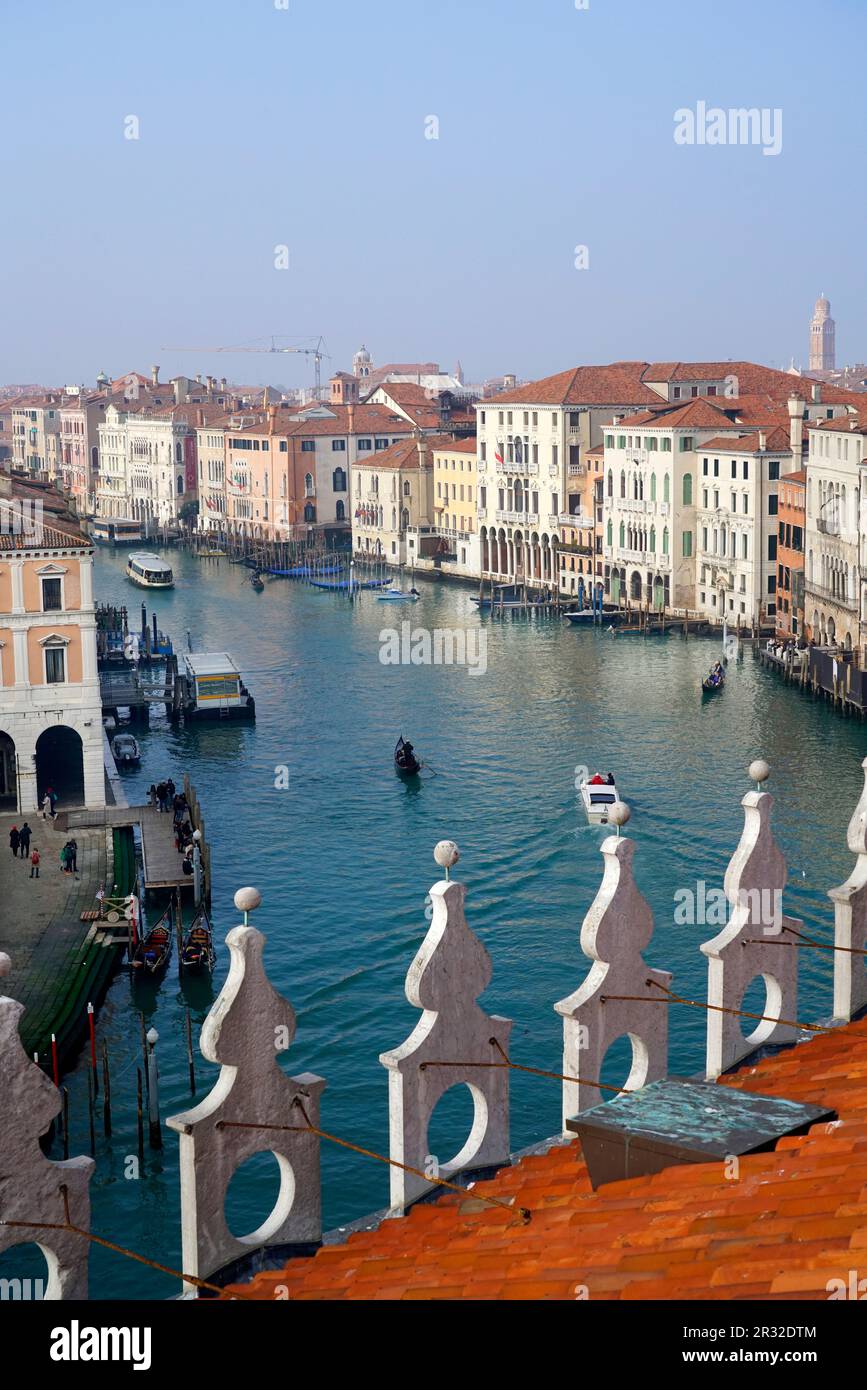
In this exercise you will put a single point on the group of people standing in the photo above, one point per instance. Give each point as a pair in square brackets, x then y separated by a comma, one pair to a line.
[162, 794]
[19, 843]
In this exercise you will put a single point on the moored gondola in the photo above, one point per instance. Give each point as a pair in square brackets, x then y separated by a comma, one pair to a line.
[405, 761]
[197, 947]
[154, 951]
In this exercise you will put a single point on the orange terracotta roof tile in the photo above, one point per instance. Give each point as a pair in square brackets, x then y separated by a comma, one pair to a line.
[794, 1219]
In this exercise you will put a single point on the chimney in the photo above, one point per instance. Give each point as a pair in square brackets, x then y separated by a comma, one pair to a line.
[155, 376]
[817, 393]
[763, 441]
[796, 430]
[176, 388]
[223, 383]
[272, 418]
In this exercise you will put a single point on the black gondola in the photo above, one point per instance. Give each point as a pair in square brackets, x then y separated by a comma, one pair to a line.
[154, 951]
[405, 761]
[713, 681]
[256, 581]
[197, 947]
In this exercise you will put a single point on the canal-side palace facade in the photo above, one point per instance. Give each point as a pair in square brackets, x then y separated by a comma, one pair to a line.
[51, 733]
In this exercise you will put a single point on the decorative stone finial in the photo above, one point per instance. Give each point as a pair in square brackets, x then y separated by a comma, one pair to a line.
[247, 900]
[450, 971]
[5, 963]
[246, 1029]
[29, 1182]
[748, 945]
[619, 814]
[446, 854]
[617, 929]
[850, 919]
[153, 1037]
[758, 772]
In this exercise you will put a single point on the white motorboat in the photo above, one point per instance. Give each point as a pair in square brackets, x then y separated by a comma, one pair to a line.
[598, 794]
[125, 750]
[399, 596]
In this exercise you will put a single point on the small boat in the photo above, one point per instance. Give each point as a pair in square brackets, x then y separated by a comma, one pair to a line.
[405, 761]
[125, 750]
[154, 951]
[598, 794]
[714, 680]
[197, 948]
[256, 582]
[399, 596]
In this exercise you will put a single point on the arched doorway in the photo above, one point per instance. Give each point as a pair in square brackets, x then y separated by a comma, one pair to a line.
[8, 774]
[60, 764]
[635, 585]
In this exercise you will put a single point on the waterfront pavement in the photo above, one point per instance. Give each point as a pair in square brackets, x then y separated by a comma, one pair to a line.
[40, 921]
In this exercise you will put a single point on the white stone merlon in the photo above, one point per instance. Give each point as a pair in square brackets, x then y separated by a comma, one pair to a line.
[450, 971]
[30, 1184]
[757, 942]
[617, 929]
[850, 920]
[247, 1027]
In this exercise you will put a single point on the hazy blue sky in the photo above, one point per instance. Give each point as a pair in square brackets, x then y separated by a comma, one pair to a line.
[305, 126]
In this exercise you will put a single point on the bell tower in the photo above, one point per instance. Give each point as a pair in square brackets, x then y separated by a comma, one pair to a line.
[822, 330]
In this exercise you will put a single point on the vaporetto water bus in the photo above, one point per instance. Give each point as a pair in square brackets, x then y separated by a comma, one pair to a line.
[149, 571]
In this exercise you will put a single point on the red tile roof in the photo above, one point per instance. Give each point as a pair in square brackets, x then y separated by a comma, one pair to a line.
[792, 1220]
[619, 384]
[776, 442]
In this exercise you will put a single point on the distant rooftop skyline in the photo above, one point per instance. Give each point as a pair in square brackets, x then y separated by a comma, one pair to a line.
[502, 185]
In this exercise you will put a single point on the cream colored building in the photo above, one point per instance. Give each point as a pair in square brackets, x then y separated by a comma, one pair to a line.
[50, 707]
[392, 502]
[835, 604]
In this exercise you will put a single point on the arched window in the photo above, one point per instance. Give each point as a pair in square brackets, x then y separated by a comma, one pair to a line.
[338, 480]
[687, 489]
[610, 483]
[404, 520]
[611, 531]
[406, 489]
[309, 512]
[653, 487]
[180, 484]
[666, 488]
[340, 511]
[308, 485]
[665, 538]
[622, 483]
[653, 540]
[622, 534]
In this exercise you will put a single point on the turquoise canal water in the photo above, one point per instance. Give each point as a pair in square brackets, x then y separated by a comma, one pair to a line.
[342, 856]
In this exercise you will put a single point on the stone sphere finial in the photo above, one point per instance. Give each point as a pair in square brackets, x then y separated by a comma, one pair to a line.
[247, 899]
[446, 854]
[758, 771]
[618, 814]
[153, 1036]
[5, 963]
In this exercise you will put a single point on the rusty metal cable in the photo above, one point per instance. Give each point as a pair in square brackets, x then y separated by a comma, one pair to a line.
[69, 1226]
[310, 1128]
[824, 945]
[507, 1064]
[716, 1008]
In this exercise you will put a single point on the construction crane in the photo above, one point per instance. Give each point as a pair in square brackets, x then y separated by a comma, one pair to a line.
[317, 353]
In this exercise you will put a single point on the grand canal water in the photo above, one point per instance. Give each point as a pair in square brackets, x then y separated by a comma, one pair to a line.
[342, 856]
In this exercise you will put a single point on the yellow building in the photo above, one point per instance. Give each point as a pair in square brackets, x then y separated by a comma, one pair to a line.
[456, 504]
[50, 708]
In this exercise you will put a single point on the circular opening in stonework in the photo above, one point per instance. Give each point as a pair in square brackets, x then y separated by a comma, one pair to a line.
[624, 1064]
[259, 1197]
[23, 1274]
[456, 1127]
[761, 996]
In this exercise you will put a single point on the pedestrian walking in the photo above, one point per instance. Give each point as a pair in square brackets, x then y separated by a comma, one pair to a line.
[47, 808]
[24, 840]
[64, 853]
[170, 789]
[161, 795]
[34, 863]
[72, 856]
[52, 795]
[14, 840]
